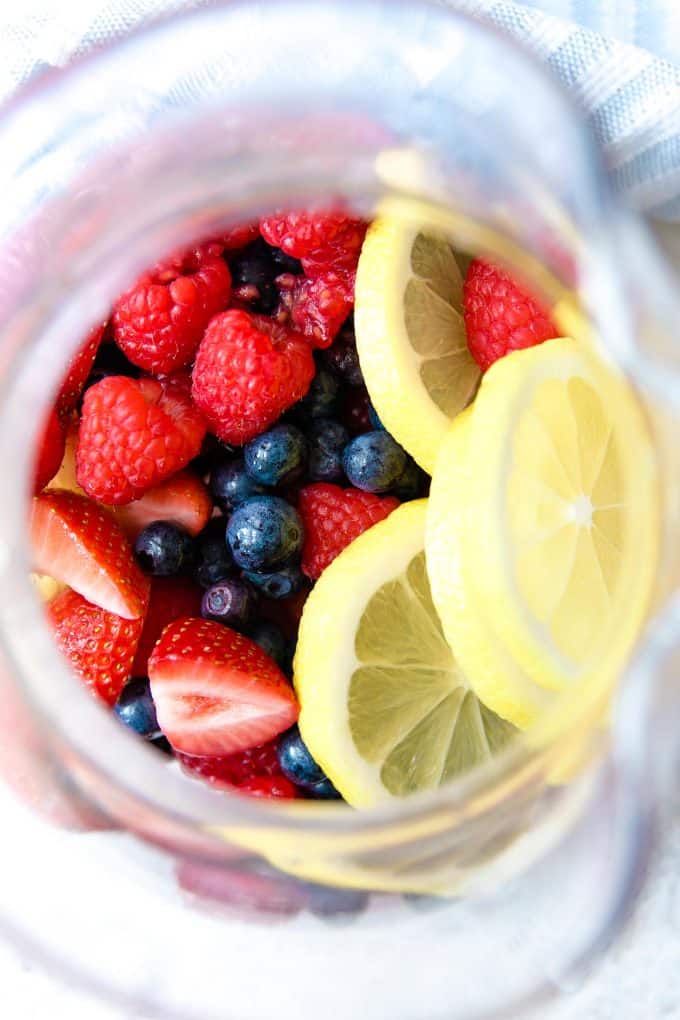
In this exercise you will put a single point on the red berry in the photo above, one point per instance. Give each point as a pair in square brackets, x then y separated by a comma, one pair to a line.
[248, 371]
[78, 370]
[183, 499]
[236, 768]
[240, 235]
[51, 452]
[318, 307]
[158, 323]
[334, 517]
[100, 646]
[270, 786]
[500, 316]
[216, 691]
[322, 240]
[79, 543]
[171, 598]
[135, 433]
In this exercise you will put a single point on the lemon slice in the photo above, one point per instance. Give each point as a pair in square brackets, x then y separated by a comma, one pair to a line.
[410, 334]
[543, 527]
[385, 708]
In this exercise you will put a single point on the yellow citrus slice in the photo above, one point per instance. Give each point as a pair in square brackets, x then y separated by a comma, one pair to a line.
[410, 334]
[543, 527]
[385, 708]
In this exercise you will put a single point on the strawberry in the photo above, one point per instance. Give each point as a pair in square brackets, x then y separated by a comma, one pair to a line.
[79, 543]
[334, 517]
[216, 691]
[270, 786]
[234, 769]
[51, 451]
[159, 322]
[500, 316]
[248, 371]
[78, 370]
[171, 598]
[135, 433]
[318, 307]
[183, 499]
[100, 646]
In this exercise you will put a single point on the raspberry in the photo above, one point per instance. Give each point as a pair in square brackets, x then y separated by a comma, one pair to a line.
[248, 371]
[322, 240]
[79, 368]
[318, 307]
[500, 316]
[235, 768]
[239, 236]
[334, 517]
[50, 452]
[134, 433]
[159, 322]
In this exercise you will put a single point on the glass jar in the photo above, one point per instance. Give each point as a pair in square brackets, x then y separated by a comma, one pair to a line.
[470, 902]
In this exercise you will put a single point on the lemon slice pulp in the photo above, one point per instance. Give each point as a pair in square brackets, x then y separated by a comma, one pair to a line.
[553, 531]
[385, 708]
[411, 335]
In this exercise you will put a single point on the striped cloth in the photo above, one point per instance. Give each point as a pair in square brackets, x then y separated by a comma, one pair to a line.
[621, 58]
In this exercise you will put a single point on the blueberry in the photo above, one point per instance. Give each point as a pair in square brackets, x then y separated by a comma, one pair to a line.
[136, 709]
[286, 263]
[342, 358]
[213, 453]
[231, 602]
[212, 562]
[269, 637]
[296, 761]
[327, 440]
[322, 398]
[323, 791]
[264, 533]
[230, 485]
[410, 483]
[253, 272]
[355, 410]
[164, 549]
[276, 457]
[110, 360]
[327, 901]
[374, 419]
[373, 461]
[162, 744]
[279, 584]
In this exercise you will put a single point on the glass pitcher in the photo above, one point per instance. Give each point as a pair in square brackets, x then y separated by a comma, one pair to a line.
[478, 900]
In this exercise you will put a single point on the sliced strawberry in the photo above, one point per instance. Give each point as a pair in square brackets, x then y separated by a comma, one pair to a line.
[51, 451]
[100, 646]
[270, 786]
[183, 499]
[216, 691]
[78, 370]
[79, 543]
[171, 598]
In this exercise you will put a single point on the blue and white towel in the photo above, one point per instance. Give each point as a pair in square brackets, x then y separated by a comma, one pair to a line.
[621, 58]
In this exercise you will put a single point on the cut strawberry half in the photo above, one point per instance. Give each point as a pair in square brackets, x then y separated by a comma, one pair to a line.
[100, 646]
[171, 599]
[216, 691]
[79, 543]
[50, 451]
[183, 499]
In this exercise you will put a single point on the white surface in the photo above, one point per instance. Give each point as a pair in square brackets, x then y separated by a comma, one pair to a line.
[638, 980]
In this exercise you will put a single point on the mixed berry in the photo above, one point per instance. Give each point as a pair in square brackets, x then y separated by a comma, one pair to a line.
[226, 452]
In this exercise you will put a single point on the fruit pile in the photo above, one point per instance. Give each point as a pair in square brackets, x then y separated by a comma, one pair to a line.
[211, 450]
[327, 511]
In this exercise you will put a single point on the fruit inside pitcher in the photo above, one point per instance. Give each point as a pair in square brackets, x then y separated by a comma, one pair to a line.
[336, 509]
